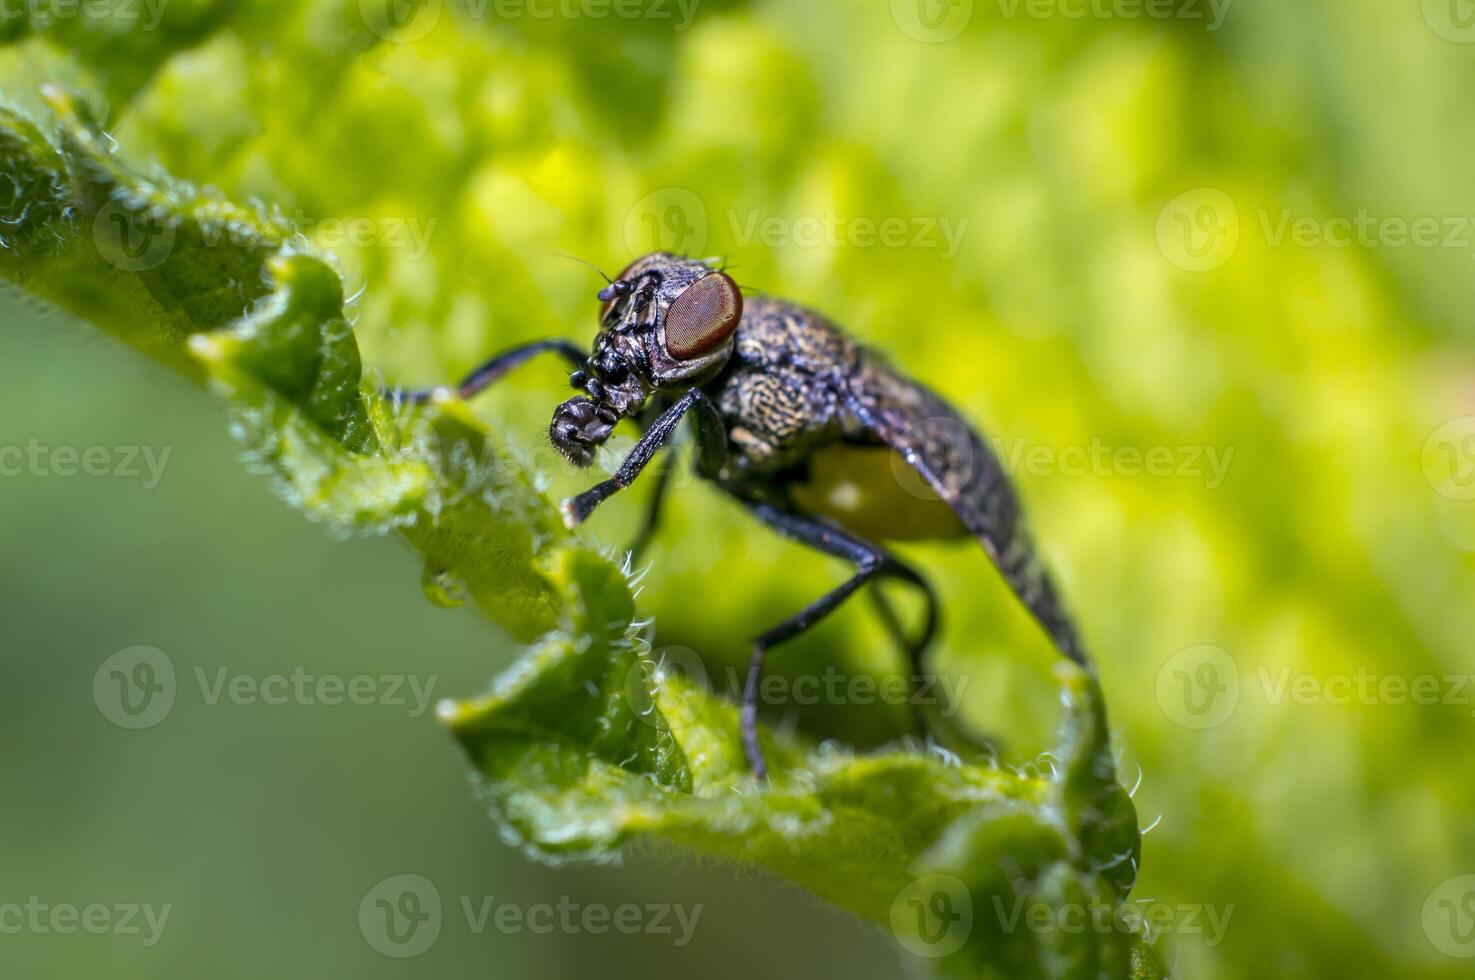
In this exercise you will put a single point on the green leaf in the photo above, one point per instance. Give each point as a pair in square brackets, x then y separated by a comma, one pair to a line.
[584, 744]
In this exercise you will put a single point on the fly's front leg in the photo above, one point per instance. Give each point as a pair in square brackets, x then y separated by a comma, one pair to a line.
[711, 455]
[577, 509]
[494, 369]
[869, 561]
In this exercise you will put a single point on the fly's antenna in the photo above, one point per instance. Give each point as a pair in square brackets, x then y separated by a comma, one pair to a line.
[602, 274]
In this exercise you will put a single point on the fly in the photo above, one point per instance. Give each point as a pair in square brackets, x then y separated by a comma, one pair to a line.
[800, 425]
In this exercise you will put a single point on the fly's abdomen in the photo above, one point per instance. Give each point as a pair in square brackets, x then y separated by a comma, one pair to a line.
[873, 492]
[952, 459]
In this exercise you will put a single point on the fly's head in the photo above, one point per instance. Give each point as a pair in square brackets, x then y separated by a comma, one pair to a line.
[667, 324]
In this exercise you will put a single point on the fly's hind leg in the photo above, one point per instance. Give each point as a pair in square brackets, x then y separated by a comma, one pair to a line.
[934, 705]
[914, 648]
[869, 560]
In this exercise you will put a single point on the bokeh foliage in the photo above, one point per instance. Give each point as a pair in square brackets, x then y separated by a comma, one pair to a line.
[585, 743]
[1060, 320]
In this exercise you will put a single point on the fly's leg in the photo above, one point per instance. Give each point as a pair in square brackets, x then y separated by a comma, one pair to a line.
[577, 509]
[493, 370]
[939, 724]
[653, 509]
[656, 503]
[869, 561]
[915, 649]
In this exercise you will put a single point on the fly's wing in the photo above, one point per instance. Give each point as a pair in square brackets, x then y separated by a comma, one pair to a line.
[960, 468]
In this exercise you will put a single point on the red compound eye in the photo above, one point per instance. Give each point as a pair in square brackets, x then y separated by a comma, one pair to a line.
[703, 317]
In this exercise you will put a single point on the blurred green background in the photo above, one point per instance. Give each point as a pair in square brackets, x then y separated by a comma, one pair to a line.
[1241, 236]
